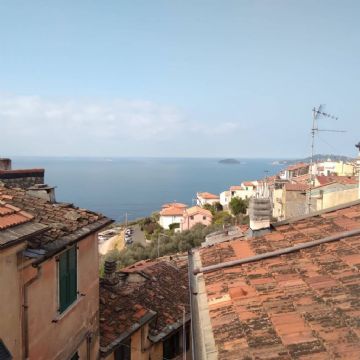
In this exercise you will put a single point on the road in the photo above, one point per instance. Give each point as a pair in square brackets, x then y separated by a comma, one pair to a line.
[115, 242]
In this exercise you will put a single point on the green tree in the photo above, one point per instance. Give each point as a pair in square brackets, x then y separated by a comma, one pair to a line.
[222, 218]
[238, 206]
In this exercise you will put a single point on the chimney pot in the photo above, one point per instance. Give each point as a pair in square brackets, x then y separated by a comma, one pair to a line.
[260, 213]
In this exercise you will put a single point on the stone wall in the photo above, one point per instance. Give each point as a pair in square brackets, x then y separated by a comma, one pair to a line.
[22, 178]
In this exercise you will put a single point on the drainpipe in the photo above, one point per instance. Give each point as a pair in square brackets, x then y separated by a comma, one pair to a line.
[25, 312]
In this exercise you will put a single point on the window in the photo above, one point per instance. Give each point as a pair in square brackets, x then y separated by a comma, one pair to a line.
[191, 218]
[123, 352]
[67, 278]
[171, 346]
[204, 217]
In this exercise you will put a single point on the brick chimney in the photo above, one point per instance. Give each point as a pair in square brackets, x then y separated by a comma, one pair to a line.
[259, 213]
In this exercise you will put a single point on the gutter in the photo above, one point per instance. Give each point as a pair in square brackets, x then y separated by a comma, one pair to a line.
[272, 254]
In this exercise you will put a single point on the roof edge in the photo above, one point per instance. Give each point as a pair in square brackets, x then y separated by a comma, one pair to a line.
[68, 240]
[112, 346]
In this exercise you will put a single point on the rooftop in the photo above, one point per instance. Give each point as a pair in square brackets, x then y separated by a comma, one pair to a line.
[304, 304]
[197, 210]
[297, 166]
[235, 187]
[172, 211]
[174, 204]
[345, 180]
[207, 195]
[148, 290]
[65, 223]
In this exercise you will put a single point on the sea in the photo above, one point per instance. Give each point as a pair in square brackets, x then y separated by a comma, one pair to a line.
[139, 186]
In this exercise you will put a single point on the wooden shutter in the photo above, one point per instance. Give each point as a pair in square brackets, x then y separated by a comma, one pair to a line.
[67, 278]
[63, 265]
[72, 275]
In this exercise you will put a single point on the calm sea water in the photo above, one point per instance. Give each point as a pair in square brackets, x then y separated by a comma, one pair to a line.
[140, 186]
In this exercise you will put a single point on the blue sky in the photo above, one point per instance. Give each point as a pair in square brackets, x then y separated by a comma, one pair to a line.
[177, 78]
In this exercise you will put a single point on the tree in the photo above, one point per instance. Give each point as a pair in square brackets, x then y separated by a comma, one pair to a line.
[214, 208]
[238, 206]
[222, 218]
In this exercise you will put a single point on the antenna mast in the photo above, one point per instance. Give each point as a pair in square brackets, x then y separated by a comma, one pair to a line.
[317, 113]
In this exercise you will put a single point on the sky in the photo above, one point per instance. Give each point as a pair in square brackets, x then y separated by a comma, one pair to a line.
[178, 78]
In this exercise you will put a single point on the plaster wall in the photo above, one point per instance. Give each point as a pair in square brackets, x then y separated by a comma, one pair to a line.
[59, 336]
[11, 296]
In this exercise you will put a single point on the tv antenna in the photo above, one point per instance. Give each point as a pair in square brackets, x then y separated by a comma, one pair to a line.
[318, 113]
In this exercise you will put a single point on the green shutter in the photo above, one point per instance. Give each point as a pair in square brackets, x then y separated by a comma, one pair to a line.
[72, 275]
[67, 278]
[63, 265]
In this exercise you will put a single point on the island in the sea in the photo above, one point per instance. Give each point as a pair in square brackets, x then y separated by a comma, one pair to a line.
[229, 161]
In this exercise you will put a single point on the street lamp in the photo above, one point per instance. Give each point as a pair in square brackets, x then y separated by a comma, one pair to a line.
[158, 242]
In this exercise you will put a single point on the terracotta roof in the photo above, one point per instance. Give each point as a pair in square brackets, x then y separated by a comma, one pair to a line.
[301, 179]
[345, 180]
[235, 187]
[172, 211]
[297, 166]
[174, 204]
[157, 288]
[12, 216]
[295, 187]
[249, 183]
[206, 195]
[197, 210]
[300, 305]
[65, 222]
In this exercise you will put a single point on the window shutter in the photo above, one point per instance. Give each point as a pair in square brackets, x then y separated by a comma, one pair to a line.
[63, 281]
[67, 278]
[72, 275]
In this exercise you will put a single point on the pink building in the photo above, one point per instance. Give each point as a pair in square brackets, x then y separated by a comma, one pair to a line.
[195, 215]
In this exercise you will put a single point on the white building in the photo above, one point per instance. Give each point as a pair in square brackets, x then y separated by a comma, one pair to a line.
[225, 198]
[246, 190]
[203, 198]
[171, 214]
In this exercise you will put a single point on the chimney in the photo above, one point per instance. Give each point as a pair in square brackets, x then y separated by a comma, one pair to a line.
[259, 212]
[110, 272]
[43, 191]
[5, 164]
